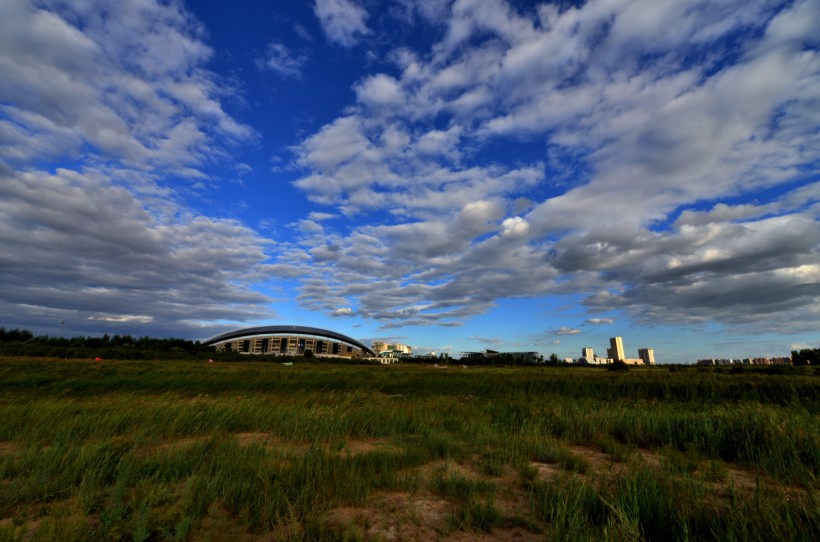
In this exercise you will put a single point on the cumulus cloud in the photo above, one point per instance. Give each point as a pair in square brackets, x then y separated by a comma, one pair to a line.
[380, 91]
[515, 227]
[93, 253]
[343, 21]
[319, 216]
[128, 86]
[651, 113]
[120, 91]
[567, 331]
[362, 168]
[344, 311]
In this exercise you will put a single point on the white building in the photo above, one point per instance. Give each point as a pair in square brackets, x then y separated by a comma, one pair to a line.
[647, 355]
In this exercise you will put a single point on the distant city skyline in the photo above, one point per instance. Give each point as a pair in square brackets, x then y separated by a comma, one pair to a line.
[453, 175]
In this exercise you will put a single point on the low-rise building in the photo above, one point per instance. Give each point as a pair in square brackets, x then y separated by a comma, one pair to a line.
[745, 361]
[519, 357]
[288, 341]
[391, 349]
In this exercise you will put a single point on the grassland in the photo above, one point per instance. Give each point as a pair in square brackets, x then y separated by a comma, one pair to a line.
[188, 450]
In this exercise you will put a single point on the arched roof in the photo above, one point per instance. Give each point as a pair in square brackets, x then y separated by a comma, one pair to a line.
[286, 330]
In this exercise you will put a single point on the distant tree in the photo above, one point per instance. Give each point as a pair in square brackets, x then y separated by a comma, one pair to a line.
[618, 366]
[553, 359]
[807, 356]
[15, 335]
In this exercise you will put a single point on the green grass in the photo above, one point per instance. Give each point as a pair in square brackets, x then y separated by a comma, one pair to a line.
[141, 450]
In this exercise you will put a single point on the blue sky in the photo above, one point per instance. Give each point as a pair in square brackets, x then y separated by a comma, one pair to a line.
[452, 175]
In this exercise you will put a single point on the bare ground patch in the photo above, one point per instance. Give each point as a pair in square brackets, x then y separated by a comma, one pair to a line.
[400, 517]
[424, 515]
[10, 448]
[267, 440]
[545, 471]
[365, 446]
[734, 478]
[395, 517]
[299, 448]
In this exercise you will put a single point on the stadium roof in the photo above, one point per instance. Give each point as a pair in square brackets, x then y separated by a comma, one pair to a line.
[286, 330]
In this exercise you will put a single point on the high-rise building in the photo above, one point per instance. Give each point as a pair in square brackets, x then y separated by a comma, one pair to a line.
[587, 353]
[647, 355]
[616, 349]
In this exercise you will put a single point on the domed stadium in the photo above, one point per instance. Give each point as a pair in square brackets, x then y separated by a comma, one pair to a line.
[289, 341]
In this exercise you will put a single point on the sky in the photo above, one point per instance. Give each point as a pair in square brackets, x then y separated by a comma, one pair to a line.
[452, 175]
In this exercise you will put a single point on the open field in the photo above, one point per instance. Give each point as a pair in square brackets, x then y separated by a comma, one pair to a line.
[187, 450]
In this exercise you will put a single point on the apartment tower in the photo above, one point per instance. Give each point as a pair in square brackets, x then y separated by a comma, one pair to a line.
[647, 355]
[616, 349]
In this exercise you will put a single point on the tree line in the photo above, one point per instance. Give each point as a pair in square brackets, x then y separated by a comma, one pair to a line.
[806, 356]
[22, 342]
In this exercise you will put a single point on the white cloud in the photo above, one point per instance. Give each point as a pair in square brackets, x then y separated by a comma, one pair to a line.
[599, 321]
[567, 331]
[309, 226]
[121, 91]
[343, 21]
[649, 113]
[380, 91]
[359, 168]
[430, 11]
[282, 61]
[343, 311]
[320, 216]
[95, 253]
[336, 144]
[128, 86]
[123, 318]
[515, 227]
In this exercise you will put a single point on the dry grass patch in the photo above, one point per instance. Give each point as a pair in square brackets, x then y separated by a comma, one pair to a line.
[148, 450]
[350, 447]
[365, 446]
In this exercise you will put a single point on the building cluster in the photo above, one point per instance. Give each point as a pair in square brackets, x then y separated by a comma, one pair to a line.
[395, 351]
[305, 341]
[615, 354]
[310, 341]
[519, 357]
[746, 361]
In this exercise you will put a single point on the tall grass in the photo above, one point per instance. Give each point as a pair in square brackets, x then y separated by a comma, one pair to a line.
[178, 450]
